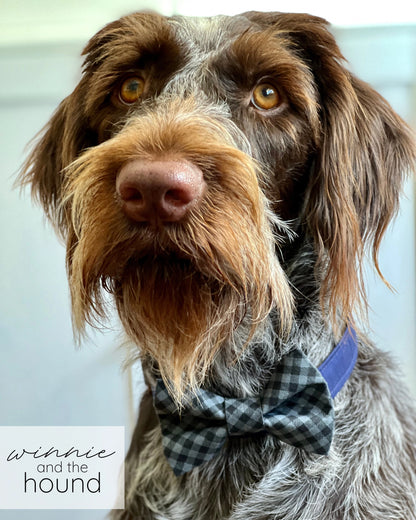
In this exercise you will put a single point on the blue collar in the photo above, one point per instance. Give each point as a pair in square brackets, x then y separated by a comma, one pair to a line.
[338, 366]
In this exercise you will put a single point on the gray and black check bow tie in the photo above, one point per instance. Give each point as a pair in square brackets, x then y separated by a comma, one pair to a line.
[295, 407]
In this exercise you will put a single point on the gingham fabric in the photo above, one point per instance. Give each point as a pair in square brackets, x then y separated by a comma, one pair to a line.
[295, 407]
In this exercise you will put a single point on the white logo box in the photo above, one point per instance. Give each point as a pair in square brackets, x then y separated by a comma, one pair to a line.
[62, 467]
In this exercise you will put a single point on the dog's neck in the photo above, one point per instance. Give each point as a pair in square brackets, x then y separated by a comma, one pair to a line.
[311, 331]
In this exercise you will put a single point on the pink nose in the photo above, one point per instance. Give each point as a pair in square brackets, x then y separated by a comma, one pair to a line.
[159, 191]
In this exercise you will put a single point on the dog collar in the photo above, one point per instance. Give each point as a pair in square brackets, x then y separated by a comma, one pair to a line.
[338, 366]
[295, 406]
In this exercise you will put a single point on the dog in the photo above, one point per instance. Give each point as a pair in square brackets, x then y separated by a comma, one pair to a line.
[222, 178]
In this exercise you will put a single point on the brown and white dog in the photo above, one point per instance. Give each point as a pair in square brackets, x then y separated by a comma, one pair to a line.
[221, 178]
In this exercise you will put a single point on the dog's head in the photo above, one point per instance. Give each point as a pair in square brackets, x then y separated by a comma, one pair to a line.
[178, 164]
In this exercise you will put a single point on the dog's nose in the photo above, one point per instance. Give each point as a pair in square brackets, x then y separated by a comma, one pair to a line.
[159, 191]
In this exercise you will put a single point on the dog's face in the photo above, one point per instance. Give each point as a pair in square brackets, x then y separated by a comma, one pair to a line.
[178, 164]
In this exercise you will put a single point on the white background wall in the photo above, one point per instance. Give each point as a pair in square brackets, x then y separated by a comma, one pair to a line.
[44, 380]
[29, 21]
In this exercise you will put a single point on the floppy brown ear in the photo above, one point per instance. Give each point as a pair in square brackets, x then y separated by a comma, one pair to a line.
[354, 192]
[60, 142]
[365, 150]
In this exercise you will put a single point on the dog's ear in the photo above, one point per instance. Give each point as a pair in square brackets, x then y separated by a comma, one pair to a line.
[364, 153]
[59, 143]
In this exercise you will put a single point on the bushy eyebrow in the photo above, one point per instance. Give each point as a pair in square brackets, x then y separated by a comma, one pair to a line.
[129, 44]
[256, 54]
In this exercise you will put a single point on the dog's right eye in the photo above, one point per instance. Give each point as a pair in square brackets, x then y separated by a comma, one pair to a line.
[265, 96]
[131, 90]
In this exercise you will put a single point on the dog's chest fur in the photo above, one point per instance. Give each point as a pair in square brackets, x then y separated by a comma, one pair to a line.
[261, 479]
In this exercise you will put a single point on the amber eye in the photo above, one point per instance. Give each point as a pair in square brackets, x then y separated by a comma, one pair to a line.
[265, 96]
[131, 90]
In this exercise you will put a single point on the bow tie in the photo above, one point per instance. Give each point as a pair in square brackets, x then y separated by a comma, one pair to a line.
[295, 406]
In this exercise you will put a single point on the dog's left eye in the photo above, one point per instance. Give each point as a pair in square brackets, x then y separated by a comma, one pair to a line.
[131, 90]
[265, 96]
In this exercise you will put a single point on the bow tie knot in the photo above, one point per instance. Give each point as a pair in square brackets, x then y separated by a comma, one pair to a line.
[244, 416]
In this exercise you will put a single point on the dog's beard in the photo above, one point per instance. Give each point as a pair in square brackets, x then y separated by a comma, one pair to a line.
[178, 315]
[180, 307]
[181, 291]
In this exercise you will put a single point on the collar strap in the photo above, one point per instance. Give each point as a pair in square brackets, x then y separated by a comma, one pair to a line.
[338, 366]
